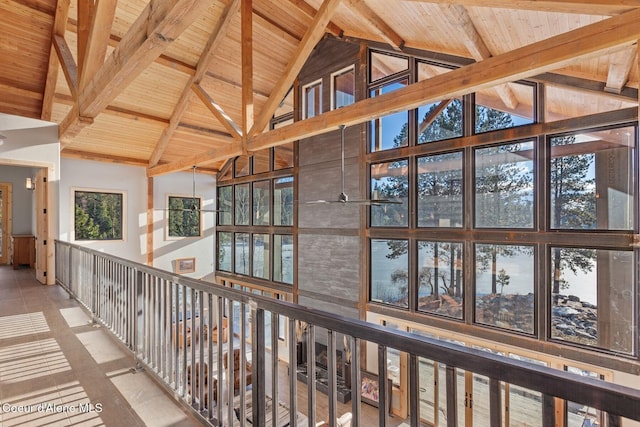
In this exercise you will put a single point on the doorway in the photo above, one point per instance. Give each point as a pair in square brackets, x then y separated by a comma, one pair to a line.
[6, 221]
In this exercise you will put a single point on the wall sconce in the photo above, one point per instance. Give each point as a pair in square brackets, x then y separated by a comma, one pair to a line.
[30, 184]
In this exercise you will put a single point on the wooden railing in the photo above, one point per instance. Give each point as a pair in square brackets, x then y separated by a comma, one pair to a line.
[170, 324]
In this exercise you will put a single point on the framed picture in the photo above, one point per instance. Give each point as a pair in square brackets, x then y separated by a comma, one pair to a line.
[370, 389]
[185, 265]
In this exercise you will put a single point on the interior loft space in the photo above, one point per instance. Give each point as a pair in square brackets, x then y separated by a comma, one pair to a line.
[320, 212]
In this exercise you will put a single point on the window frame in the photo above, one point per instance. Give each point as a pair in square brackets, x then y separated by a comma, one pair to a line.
[339, 73]
[168, 198]
[123, 212]
[305, 108]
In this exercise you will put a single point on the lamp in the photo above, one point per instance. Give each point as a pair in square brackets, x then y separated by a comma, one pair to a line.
[30, 184]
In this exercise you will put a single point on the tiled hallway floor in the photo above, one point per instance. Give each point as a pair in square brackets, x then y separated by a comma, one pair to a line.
[58, 369]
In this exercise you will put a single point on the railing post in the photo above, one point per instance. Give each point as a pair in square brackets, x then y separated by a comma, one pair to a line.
[293, 372]
[258, 357]
[355, 380]
[495, 404]
[135, 321]
[452, 388]
[311, 374]
[383, 394]
[548, 410]
[414, 392]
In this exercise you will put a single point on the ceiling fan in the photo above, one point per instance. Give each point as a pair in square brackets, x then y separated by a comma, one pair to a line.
[193, 207]
[343, 197]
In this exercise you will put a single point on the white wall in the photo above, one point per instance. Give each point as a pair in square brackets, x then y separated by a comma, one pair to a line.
[22, 199]
[85, 174]
[167, 250]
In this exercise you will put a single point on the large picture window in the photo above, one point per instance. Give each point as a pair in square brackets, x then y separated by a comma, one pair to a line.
[505, 294]
[389, 131]
[98, 215]
[283, 201]
[184, 218]
[261, 202]
[592, 300]
[504, 186]
[390, 272]
[440, 190]
[592, 180]
[440, 278]
[390, 181]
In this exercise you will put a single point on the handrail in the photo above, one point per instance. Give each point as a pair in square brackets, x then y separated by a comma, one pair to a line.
[141, 304]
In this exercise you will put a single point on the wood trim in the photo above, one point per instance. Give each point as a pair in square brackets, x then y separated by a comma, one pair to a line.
[7, 221]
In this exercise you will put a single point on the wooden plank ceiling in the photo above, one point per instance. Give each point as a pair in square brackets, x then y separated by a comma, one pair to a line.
[171, 83]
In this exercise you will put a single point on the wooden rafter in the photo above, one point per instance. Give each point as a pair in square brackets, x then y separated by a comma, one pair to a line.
[161, 22]
[536, 58]
[589, 7]
[62, 13]
[101, 17]
[246, 50]
[69, 67]
[213, 155]
[620, 66]
[305, 7]
[217, 35]
[458, 16]
[313, 35]
[218, 112]
[387, 33]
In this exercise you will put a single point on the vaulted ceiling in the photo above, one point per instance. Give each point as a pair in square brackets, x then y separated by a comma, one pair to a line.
[167, 84]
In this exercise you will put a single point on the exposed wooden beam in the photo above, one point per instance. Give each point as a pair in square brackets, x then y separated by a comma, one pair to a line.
[217, 35]
[161, 22]
[85, 10]
[69, 67]
[59, 25]
[459, 17]
[83, 155]
[381, 27]
[595, 87]
[536, 58]
[620, 64]
[311, 12]
[218, 112]
[101, 20]
[313, 35]
[246, 51]
[213, 155]
[582, 7]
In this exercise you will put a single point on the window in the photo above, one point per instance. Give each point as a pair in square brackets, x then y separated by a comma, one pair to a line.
[283, 201]
[261, 256]
[343, 84]
[283, 258]
[504, 106]
[505, 287]
[440, 278]
[242, 254]
[382, 65]
[592, 301]
[390, 272]
[262, 161]
[312, 99]
[390, 131]
[242, 208]
[592, 180]
[440, 190]
[184, 216]
[261, 202]
[242, 166]
[224, 251]
[225, 204]
[98, 215]
[504, 186]
[440, 120]
[390, 181]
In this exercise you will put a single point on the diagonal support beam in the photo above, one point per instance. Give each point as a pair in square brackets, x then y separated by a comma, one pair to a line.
[246, 50]
[387, 33]
[59, 28]
[218, 112]
[620, 66]
[217, 36]
[69, 67]
[161, 22]
[459, 17]
[314, 33]
[98, 36]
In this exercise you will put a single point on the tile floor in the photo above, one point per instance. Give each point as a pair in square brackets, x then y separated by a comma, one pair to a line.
[56, 368]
